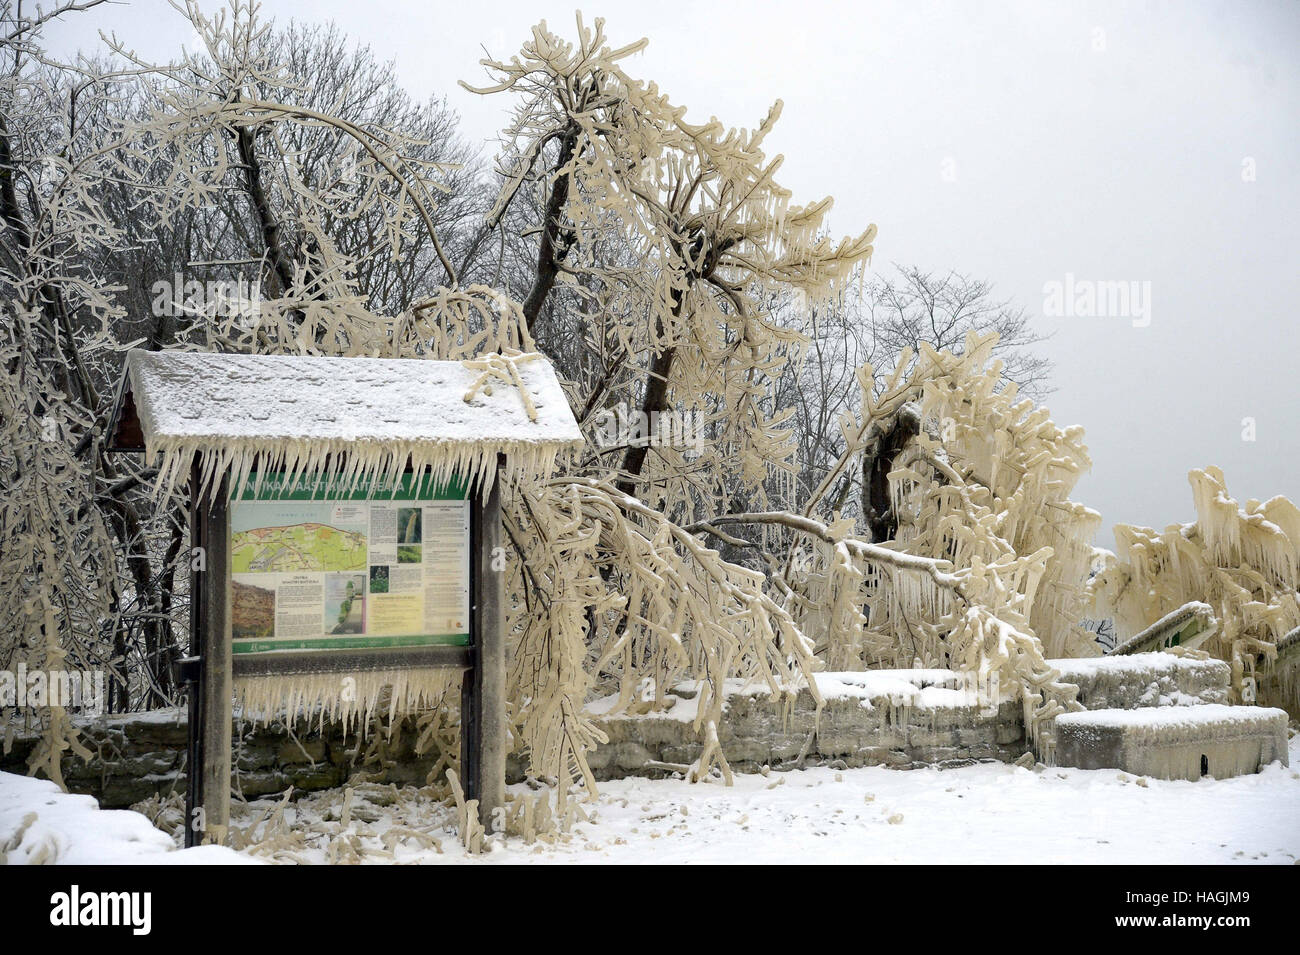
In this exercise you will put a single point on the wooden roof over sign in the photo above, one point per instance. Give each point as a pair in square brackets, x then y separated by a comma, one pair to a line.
[307, 414]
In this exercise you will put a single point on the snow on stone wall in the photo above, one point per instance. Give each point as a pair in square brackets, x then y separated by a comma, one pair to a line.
[1145, 679]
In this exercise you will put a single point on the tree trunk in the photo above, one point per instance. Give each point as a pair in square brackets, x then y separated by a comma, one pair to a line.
[877, 462]
[556, 241]
[281, 264]
[655, 400]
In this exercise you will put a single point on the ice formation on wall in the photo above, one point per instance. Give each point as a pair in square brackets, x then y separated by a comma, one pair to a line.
[1241, 560]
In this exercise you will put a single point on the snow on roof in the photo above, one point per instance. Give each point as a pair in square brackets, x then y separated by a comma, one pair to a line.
[221, 397]
[355, 417]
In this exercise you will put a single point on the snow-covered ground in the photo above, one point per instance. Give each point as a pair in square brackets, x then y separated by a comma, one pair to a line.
[977, 814]
[41, 824]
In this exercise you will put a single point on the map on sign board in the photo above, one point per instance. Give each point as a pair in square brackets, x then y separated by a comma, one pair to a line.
[313, 569]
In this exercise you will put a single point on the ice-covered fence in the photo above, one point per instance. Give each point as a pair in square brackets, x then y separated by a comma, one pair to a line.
[1189, 626]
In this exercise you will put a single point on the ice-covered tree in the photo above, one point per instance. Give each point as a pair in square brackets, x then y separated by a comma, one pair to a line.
[65, 529]
[1243, 560]
[607, 585]
[972, 556]
[665, 258]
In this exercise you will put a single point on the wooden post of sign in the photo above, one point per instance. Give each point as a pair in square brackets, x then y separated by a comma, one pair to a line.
[490, 656]
[215, 682]
[193, 679]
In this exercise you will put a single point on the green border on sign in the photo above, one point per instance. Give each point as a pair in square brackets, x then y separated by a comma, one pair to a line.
[351, 643]
[273, 488]
[326, 489]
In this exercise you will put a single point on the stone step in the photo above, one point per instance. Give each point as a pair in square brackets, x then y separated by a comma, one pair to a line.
[1174, 742]
[1145, 680]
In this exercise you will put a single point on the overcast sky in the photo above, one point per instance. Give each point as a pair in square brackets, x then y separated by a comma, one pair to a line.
[1146, 143]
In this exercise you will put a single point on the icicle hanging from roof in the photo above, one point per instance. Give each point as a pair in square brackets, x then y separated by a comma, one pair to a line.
[392, 693]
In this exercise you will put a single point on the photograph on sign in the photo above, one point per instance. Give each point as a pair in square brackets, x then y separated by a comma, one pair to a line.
[315, 569]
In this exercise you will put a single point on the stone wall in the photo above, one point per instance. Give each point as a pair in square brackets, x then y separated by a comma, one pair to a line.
[863, 722]
[899, 718]
[1146, 679]
[1175, 742]
[143, 754]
